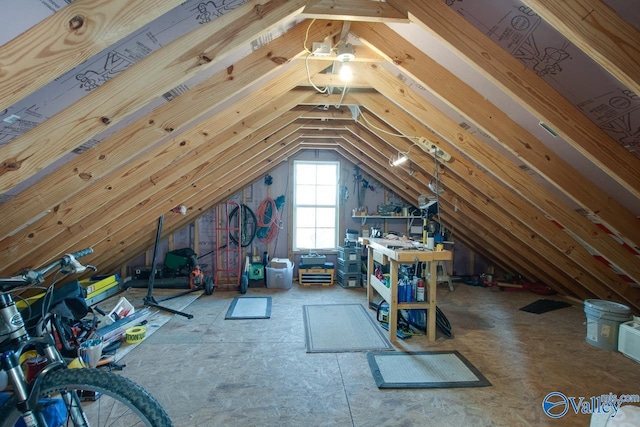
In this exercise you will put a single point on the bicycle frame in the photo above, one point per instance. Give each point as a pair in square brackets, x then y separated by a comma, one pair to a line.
[124, 400]
[27, 394]
[17, 340]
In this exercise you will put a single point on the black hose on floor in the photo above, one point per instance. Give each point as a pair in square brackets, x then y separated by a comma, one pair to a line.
[443, 322]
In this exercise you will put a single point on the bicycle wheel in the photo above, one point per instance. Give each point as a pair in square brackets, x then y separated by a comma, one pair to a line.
[120, 401]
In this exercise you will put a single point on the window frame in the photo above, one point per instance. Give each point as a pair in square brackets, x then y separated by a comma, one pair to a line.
[335, 205]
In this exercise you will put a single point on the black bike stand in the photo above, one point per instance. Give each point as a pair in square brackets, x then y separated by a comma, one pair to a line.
[149, 300]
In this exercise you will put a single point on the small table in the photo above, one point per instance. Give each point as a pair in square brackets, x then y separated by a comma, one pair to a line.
[394, 253]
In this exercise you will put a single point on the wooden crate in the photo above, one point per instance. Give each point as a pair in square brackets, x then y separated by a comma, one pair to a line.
[315, 276]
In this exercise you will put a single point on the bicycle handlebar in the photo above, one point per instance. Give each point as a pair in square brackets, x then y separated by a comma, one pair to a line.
[68, 264]
[81, 253]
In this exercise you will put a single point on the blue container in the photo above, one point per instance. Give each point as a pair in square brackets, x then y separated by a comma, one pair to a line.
[402, 292]
[408, 293]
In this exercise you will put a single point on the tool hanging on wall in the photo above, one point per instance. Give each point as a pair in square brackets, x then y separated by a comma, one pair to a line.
[268, 219]
[248, 225]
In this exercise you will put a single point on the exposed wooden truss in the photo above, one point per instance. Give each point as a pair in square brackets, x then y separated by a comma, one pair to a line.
[110, 196]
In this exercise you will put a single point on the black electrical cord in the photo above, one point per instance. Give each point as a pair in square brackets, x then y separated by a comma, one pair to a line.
[248, 229]
[443, 322]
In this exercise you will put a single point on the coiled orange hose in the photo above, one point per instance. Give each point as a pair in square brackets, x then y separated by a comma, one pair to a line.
[268, 220]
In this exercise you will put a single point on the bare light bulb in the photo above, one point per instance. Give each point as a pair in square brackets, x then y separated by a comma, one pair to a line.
[345, 72]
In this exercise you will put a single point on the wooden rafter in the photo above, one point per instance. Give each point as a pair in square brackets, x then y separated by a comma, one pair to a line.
[66, 39]
[506, 171]
[523, 218]
[528, 89]
[220, 182]
[169, 119]
[132, 184]
[379, 165]
[458, 186]
[496, 123]
[598, 31]
[136, 240]
[354, 10]
[478, 229]
[111, 196]
[114, 100]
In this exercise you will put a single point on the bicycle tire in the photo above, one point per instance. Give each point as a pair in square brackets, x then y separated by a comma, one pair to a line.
[117, 394]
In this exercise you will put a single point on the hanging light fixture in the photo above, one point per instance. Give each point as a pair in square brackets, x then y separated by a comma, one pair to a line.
[345, 72]
[400, 159]
[345, 54]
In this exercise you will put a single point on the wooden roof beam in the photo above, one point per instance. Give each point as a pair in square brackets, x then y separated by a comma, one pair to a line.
[258, 160]
[354, 10]
[378, 164]
[505, 171]
[464, 191]
[90, 209]
[67, 38]
[497, 124]
[526, 88]
[535, 270]
[108, 104]
[526, 215]
[170, 118]
[362, 54]
[342, 113]
[228, 169]
[599, 32]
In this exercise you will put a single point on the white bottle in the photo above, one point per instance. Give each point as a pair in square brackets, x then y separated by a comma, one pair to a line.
[430, 241]
[420, 290]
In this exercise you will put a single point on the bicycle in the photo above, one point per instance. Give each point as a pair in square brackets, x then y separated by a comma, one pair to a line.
[56, 393]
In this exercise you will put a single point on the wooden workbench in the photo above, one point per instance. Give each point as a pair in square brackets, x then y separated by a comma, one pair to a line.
[394, 253]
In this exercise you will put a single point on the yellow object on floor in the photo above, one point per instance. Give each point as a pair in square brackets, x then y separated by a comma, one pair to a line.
[135, 335]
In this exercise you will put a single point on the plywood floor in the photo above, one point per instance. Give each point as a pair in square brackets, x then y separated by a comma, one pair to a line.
[208, 371]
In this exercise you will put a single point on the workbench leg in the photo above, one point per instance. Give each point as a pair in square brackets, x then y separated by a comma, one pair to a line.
[431, 312]
[370, 272]
[393, 304]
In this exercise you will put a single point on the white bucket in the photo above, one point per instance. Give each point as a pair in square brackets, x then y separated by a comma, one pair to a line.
[603, 320]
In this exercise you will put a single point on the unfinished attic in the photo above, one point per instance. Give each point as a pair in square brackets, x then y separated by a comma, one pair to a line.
[432, 205]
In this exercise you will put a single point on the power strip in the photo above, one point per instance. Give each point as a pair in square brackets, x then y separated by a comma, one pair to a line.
[430, 147]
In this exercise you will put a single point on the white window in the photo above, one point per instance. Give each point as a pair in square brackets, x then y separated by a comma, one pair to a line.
[315, 205]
